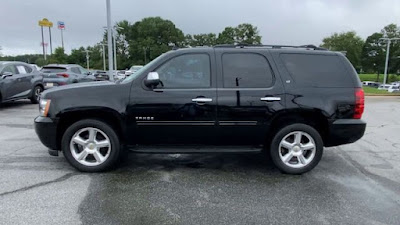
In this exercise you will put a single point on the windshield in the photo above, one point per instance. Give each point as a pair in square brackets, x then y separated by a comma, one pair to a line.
[140, 71]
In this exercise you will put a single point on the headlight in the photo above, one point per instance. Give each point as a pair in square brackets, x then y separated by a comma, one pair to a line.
[44, 106]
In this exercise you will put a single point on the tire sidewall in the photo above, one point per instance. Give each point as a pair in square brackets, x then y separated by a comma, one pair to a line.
[274, 148]
[33, 97]
[107, 129]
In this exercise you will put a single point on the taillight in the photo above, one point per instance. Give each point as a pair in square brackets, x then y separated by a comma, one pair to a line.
[359, 107]
[63, 75]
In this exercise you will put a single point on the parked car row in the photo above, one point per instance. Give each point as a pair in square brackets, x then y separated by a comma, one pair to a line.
[392, 87]
[19, 80]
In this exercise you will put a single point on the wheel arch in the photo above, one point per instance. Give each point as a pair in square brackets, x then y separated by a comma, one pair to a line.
[313, 118]
[106, 115]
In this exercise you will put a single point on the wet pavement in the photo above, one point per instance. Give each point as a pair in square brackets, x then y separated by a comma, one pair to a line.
[353, 184]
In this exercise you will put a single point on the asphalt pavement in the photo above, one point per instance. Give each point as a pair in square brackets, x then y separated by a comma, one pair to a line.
[353, 184]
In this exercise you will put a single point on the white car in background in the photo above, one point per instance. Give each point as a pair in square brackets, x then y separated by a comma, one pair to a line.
[133, 70]
[394, 88]
[119, 75]
[36, 67]
[384, 87]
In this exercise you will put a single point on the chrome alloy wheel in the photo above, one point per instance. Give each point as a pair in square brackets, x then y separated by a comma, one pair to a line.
[90, 146]
[37, 94]
[297, 149]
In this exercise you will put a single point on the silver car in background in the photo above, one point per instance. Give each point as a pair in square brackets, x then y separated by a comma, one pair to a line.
[133, 70]
[19, 80]
[62, 74]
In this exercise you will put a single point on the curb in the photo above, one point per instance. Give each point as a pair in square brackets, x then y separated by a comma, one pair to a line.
[383, 95]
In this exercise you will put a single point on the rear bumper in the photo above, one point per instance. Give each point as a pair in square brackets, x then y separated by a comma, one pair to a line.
[46, 129]
[345, 131]
[55, 82]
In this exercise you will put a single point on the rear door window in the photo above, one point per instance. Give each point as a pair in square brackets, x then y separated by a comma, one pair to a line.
[246, 70]
[21, 69]
[75, 70]
[313, 70]
[28, 69]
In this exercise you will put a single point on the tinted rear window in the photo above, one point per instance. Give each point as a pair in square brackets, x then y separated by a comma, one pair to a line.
[246, 70]
[317, 70]
[53, 69]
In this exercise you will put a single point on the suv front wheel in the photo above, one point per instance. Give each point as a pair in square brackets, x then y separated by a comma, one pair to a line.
[91, 146]
[296, 148]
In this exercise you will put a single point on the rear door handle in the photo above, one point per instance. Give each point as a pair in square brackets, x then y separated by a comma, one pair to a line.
[270, 99]
[202, 100]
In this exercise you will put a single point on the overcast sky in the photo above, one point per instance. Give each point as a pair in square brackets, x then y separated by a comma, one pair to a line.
[279, 21]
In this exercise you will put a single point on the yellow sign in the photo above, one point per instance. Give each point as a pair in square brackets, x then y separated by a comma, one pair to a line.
[45, 23]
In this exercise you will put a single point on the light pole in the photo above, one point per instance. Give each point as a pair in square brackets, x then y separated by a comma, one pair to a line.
[115, 45]
[87, 58]
[109, 41]
[389, 41]
[104, 56]
[114, 34]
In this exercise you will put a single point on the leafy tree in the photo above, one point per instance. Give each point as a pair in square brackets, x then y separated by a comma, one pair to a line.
[347, 41]
[96, 56]
[374, 51]
[150, 37]
[227, 36]
[77, 56]
[242, 34]
[40, 62]
[247, 34]
[201, 39]
[59, 56]
[392, 31]
[373, 54]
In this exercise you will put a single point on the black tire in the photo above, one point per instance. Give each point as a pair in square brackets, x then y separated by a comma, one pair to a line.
[283, 132]
[115, 151]
[35, 98]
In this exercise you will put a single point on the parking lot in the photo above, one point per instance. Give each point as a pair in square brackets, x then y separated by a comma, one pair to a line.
[353, 184]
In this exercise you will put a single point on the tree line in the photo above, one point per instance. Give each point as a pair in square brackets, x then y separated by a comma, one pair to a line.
[140, 42]
[368, 56]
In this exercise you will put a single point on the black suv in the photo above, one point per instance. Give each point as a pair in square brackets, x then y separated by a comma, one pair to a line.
[19, 80]
[288, 101]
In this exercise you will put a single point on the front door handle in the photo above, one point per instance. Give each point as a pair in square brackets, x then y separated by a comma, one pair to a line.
[201, 100]
[270, 99]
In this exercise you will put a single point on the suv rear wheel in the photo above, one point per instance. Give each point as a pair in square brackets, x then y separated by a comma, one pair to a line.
[91, 146]
[296, 148]
[35, 98]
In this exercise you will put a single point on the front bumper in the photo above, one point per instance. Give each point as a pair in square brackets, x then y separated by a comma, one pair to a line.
[46, 129]
[345, 131]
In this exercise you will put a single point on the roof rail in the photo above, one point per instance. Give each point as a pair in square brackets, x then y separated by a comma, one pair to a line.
[243, 45]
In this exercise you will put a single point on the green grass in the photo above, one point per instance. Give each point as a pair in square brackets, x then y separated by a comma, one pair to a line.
[375, 91]
[372, 77]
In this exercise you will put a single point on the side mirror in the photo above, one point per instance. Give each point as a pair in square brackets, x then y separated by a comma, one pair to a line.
[6, 74]
[152, 79]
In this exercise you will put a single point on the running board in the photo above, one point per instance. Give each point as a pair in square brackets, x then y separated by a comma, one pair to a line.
[193, 149]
